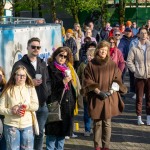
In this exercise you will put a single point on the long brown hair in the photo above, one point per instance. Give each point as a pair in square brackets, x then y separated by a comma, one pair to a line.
[11, 82]
[59, 50]
[3, 82]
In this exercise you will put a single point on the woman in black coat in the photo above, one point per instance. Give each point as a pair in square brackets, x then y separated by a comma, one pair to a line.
[61, 61]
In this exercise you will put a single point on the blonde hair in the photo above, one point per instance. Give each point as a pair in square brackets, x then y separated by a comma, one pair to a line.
[91, 51]
[101, 45]
[11, 82]
[3, 82]
[79, 31]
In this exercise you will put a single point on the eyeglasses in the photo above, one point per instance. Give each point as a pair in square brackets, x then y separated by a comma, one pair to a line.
[21, 75]
[63, 56]
[35, 47]
[117, 34]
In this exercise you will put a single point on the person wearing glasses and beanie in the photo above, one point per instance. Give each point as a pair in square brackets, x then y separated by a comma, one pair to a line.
[63, 78]
[36, 65]
[17, 102]
[104, 100]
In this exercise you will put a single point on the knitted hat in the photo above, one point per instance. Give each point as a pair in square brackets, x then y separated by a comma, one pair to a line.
[69, 31]
[128, 23]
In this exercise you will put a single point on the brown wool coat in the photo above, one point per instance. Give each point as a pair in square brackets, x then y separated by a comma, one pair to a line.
[100, 74]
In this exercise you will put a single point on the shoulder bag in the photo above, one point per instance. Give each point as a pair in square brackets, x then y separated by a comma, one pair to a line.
[54, 108]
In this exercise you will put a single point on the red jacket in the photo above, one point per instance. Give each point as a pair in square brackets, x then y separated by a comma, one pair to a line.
[117, 57]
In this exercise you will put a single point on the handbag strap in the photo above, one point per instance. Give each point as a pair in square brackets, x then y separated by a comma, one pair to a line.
[62, 96]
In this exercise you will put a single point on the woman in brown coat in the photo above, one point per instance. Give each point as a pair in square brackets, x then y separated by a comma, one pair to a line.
[104, 99]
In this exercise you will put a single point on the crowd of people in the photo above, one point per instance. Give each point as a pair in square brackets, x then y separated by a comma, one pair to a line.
[97, 63]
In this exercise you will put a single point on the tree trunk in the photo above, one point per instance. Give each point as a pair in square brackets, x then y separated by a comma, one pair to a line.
[76, 18]
[75, 15]
[104, 12]
[40, 10]
[122, 5]
[53, 8]
[2, 5]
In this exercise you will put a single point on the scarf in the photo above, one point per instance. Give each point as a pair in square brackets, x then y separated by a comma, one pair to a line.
[62, 68]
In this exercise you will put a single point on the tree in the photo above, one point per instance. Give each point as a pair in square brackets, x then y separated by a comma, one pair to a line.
[122, 6]
[2, 5]
[74, 6]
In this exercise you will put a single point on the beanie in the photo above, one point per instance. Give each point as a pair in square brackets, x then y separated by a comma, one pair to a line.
[69, 31]
[128, 23]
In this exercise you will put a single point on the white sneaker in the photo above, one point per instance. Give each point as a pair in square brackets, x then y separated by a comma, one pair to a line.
[140, 122]
[67, 137]
[148, 120]
[74, 135]
[86, 133]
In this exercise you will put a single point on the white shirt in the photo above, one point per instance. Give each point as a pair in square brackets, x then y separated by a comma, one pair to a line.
[34, 63]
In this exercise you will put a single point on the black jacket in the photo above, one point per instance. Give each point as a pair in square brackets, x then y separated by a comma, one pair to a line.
[64, 127]
[71, 43]
[43, 90]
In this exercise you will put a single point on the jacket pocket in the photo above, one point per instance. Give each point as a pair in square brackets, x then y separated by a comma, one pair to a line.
[139, 70]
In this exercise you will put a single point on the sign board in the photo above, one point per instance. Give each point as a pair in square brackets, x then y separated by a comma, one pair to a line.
[13, 42]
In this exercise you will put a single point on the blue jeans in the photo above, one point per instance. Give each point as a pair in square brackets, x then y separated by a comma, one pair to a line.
[54, 142]
[41, 115]
[18, 139]
[87, 119]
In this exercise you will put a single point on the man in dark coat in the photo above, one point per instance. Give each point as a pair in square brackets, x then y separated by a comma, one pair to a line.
[36, 65]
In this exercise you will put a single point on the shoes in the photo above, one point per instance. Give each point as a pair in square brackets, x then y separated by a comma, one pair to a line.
[74, 135]
[67, 137]
[87, 133]
[148, 120]
[140, 122]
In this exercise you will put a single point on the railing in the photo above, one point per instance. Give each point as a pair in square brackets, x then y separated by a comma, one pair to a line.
[21, 20]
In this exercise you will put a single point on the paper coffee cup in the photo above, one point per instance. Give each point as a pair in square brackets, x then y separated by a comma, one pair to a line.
[38, 76]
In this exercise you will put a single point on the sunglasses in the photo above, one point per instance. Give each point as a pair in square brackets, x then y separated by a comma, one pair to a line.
[63, 56]
[117, 34]
[35, 47]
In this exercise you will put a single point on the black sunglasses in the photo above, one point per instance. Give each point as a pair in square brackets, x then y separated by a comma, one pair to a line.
[117, 34]
[35, 47]
[63, 56]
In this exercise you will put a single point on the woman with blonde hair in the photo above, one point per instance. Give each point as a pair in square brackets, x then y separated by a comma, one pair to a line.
[78, 34]
[104, 100]
[17, 102]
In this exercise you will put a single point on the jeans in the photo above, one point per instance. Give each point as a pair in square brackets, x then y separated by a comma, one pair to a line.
[54, 142]
[87, 119]
[19, 139]
[41, 115]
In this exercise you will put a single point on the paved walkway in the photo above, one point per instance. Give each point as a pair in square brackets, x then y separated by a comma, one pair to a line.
[126, 134]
